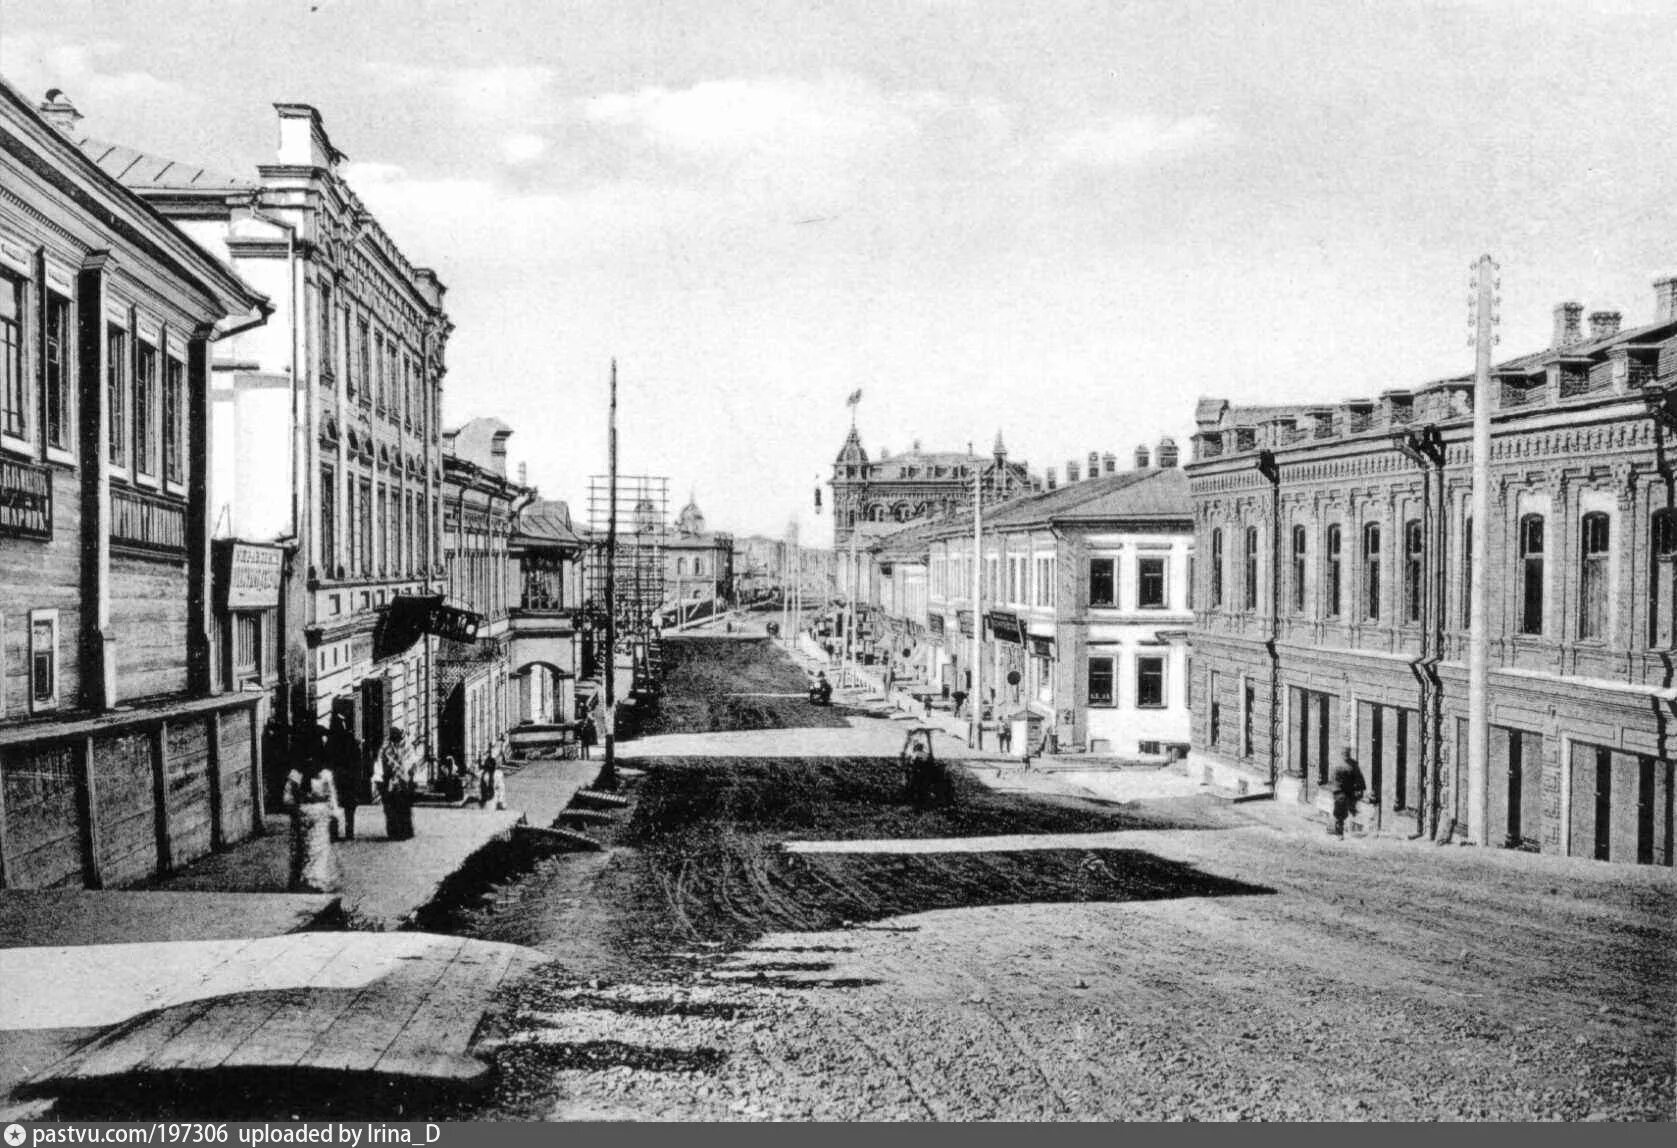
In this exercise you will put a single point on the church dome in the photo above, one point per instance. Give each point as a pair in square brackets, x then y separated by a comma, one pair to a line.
[691, 522]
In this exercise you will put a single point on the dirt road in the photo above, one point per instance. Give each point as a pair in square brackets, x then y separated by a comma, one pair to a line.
[783, 937]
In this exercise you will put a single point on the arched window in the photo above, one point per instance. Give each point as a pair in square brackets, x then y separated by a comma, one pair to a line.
[1371, 572]
[1662, 581]
[1335, 578]
[1531, 574]
[1216, 568]
[1412, 570]
[1592, 580]
[1251, 557]
[1298, 569]
[680, 567]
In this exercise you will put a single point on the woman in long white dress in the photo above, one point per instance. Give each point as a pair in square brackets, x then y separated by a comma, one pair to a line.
[312, 798]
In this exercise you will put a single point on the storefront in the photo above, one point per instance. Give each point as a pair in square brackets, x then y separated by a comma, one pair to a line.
[247, 594]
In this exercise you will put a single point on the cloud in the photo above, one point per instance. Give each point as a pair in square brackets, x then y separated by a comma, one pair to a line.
[522, 147]
[34, 62]
[1127, 140]
[507, 91]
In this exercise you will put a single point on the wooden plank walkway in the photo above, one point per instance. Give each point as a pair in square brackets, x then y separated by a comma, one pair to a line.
[403, 1006]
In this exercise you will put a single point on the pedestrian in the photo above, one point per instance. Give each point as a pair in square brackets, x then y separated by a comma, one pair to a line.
[1347, 787]
[312, 800]
[960, 697]
[890, 679]
[492, 785]
[343, 757]
[1004, 735]
[395, 778]
[585, 737]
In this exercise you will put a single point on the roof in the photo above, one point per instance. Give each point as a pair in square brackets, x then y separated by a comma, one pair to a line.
[142, 171]
[1155, 493]
[548, 521]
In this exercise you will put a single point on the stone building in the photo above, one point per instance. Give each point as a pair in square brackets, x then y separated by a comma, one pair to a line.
[351, 367]
[480, 506]
[547, 554]
[880, 494]
[1086, 597]
[119, 757]
[1332, 610]
[698, 566]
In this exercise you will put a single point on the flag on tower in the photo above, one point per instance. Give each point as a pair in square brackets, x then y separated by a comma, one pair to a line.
[855, 397]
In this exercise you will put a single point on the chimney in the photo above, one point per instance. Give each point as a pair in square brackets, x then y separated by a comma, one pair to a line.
[1142, 458]
[1071, 471]
[1094, 464]
[1166, 453]
[1109, 463]
[1049, 473]
[1665, 299]
[1604, 324]
[58, 111]
[1567, 329]
[523, 474]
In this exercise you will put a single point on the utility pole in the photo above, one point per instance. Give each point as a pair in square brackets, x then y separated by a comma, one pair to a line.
[608, 771]
[1485, 316]
[975, 696]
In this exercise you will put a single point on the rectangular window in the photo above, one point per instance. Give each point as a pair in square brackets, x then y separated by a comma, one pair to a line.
[1248, 702]
[14, 391]
[145, 410]
[1592, 582]
[116, 394]
[1101, 692]
[1467, 573]
[362, 376]
[1149, 683]
[378, 371]
[1531, 574]
[1335, 576]
[328, 522]
[174, 420]
[1412, 584]
[1251, 556]
[1193, 591]
[1216, 569]
[56, 367]
[247, 645]
[43, 660]
[364, 527]
[1150, 584]
[328, 336]
[1298, 569]
[1214, 692]
[1371, 571]
[1103, 589]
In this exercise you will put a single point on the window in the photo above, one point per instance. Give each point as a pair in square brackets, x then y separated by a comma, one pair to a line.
[378, 371]
[1248, 702]
[1045, 582]
[145, 410]
[1191, 575]
[247, 645]
[1371, 571]
[1150, 592]
[1149, 682]
[698, 565]
[1251, 557]
[43, 659]
[116, 394]
[57, 370]
[1412, 585]
[1592, 583]
[680, 567]
[14, 392]
[1467, 573]
[1216, 569]
[174, 420]
[1103, 588]
[328, 335]
[1335, 577]
[1662, 589]
[1531, 574]
[1214, 731]
[1298, 569]
[1101, 692]
[364, 526]
[328, 522]
[362, 376]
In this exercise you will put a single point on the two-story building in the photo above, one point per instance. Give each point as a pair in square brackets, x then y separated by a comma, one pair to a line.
[546, 551]
[325, 422]
[119, 757]
[1333, 600]
[1085, 607]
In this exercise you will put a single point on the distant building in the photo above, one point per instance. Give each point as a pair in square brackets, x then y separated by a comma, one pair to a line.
[878, 495]
[120, 756]
[698, 564]
[546, 656]
[1333, 599]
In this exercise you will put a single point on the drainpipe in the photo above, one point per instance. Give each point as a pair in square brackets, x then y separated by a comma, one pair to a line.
[1425, 447]
[1270, 469]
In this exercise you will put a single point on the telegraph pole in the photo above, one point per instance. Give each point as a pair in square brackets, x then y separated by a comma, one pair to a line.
[974, 696]
[608, 771]
[1485, 303]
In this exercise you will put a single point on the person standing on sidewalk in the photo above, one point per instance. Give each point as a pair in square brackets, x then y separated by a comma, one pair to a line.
[343, 758]
[1347, 788]
[312, 800]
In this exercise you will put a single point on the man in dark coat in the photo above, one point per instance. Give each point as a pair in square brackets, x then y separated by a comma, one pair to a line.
[1347, 786]
[343, 757]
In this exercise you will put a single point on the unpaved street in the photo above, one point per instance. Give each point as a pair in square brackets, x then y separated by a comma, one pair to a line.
[776, 934]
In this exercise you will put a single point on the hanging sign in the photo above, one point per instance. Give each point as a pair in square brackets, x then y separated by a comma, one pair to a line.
[965, 618]
[1005, 627]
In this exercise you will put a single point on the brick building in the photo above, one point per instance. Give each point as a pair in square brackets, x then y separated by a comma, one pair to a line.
[880, 494]
[119, 758]
[1333, 589]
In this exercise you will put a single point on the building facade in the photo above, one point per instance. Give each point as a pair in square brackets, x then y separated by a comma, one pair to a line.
[1332, 611]
[475, 702]
[698, 566]
[1085, 604]
[547, 553]
[352, 366]
[878, 495]
[119, 757]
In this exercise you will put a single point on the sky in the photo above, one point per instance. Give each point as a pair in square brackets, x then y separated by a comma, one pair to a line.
[1064, 221]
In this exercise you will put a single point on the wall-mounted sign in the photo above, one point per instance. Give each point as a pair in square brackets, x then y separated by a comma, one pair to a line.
[965, 618]
[1041, 647]
[935, 621]
[248, 575]
[25, 499]
[1005, 627]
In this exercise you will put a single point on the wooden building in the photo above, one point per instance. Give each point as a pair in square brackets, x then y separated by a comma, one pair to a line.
[1332, 600]
[118, 757]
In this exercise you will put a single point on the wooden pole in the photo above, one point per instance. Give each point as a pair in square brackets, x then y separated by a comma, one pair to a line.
[1478, 672]
[975, 699]
[608, 771]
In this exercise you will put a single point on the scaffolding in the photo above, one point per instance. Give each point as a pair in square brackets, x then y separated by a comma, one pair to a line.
[643, 530]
